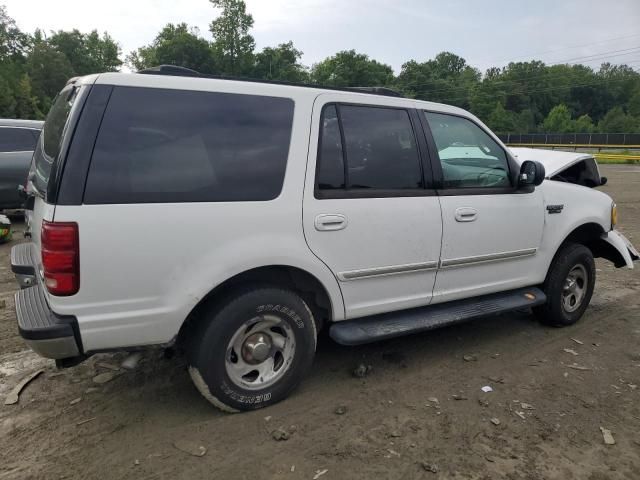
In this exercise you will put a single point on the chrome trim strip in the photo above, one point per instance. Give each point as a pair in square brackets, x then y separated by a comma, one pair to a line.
[390, 270]
[492, 257]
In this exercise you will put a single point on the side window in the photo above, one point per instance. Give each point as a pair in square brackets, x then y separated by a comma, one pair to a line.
[158, 145]
[16, 140]
[469, 157]
[331, 161]
[377, 144]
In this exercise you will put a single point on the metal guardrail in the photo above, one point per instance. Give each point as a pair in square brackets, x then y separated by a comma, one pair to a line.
[614, 140]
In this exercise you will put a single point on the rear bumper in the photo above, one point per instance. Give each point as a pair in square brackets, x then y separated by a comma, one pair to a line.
[23, 264]
[47, 334]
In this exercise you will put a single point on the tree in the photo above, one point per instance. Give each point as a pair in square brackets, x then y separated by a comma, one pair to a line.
[501, 120]
[13, 43]
[87, 53]
[351, 69]
[280, 63]
[232, 43]
[584, 124]
[616, 121]
[558, 120]
[48, 70]
[447, 78]
[26, 105]
[175, 45]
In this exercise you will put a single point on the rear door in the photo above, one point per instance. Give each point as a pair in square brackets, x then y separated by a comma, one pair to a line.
[368, 212]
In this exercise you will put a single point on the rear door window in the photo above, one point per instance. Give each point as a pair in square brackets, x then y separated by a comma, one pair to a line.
[48, 148]
[161, 145]
[377, 144]
[14, 139]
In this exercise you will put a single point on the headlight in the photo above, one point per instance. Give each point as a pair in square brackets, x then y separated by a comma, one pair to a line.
[614, 215]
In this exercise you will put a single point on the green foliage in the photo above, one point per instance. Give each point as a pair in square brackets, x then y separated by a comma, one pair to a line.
[280, 63]
[616, 121]
[558, 120]
[584, 124]
[87, 53]
[351, 69]
[176, 45]
[447, 78]
[232, 43]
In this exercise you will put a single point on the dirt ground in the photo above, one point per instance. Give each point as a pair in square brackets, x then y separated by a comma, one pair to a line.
[420, 413]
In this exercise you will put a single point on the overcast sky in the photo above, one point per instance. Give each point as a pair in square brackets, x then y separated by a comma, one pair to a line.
[486, 33]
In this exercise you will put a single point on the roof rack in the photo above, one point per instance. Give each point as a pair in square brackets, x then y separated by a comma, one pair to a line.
[187, 72]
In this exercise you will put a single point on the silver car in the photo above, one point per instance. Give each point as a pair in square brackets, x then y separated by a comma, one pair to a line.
[18, 139]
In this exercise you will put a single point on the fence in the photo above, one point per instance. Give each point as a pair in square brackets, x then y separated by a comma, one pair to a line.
[592, 140]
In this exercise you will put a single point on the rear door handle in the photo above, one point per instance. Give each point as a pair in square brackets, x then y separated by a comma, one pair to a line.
[330, 222]
[466, 214]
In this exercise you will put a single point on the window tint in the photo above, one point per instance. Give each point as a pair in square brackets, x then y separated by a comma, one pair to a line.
[331, 163]
[48, 149]
[158, 145]
[469, 157]
[16, 140]
[379, 148]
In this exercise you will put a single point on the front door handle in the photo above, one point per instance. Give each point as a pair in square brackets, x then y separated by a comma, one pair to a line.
[466, 214]
[330, 222]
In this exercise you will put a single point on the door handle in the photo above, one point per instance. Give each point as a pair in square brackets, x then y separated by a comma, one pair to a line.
[466, 214]
[330, 222]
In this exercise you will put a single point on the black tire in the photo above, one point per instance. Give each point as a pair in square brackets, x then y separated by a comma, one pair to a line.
[211, 352]
[570, 258]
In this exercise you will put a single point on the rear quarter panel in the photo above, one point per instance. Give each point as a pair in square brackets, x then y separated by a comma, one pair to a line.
[14, 167]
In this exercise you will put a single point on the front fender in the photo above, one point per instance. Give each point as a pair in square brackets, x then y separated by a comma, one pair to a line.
[623, 246]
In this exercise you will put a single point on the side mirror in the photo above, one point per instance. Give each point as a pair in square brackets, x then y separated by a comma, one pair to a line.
[531, 174]
[603, 180]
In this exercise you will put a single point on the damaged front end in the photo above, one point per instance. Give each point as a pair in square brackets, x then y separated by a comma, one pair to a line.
[570, 167]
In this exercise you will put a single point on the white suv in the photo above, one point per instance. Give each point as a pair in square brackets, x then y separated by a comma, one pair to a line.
[237, 218]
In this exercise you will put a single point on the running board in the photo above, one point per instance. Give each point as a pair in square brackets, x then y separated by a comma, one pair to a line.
[404, 322]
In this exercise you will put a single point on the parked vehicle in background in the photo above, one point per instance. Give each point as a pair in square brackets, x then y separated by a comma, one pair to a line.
[18, 139]
[357, 210]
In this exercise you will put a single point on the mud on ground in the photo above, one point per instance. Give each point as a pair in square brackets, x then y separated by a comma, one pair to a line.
[419, 413]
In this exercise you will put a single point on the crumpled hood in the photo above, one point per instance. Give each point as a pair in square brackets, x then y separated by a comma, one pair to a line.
[554, 161]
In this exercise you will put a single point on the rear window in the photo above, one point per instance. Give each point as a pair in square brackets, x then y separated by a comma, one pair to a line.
[160, 145]
[48, 149]
[17, 139]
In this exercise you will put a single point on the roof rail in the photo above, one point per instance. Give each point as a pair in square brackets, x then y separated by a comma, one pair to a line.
[175, 70]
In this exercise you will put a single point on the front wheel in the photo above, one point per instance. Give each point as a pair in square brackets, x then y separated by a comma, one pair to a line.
[568, 286]
[254, 350]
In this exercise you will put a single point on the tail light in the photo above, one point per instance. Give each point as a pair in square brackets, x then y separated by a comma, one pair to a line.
[60, 247]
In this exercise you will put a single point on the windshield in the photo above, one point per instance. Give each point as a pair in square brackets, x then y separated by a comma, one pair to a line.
[49, 144]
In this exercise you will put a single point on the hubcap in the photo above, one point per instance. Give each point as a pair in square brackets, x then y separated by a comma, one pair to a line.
[574, 289]
[260, 352]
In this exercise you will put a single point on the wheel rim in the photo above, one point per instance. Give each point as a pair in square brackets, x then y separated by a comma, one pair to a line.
[260, 352]
[575, 288]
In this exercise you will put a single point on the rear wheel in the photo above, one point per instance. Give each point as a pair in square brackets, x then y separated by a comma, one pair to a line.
[568, 286]
[254, 350]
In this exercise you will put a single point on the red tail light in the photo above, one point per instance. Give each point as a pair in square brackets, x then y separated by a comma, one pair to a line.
[60, 246]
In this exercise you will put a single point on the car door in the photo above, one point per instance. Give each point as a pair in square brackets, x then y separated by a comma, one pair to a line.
[16, 150]
[491, 230]
[367, 212]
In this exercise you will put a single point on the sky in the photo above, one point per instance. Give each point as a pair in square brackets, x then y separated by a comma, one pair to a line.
[486, 33]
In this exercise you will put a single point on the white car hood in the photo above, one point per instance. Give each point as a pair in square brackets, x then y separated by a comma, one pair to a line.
[554, 161]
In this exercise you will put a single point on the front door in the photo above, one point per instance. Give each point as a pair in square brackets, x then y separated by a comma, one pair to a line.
[367, 213]
[491, 231]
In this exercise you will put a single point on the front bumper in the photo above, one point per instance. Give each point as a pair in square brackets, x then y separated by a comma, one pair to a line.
[623, 246]
[46, 333]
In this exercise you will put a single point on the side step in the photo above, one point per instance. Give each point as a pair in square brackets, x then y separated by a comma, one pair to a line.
[396, 324]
